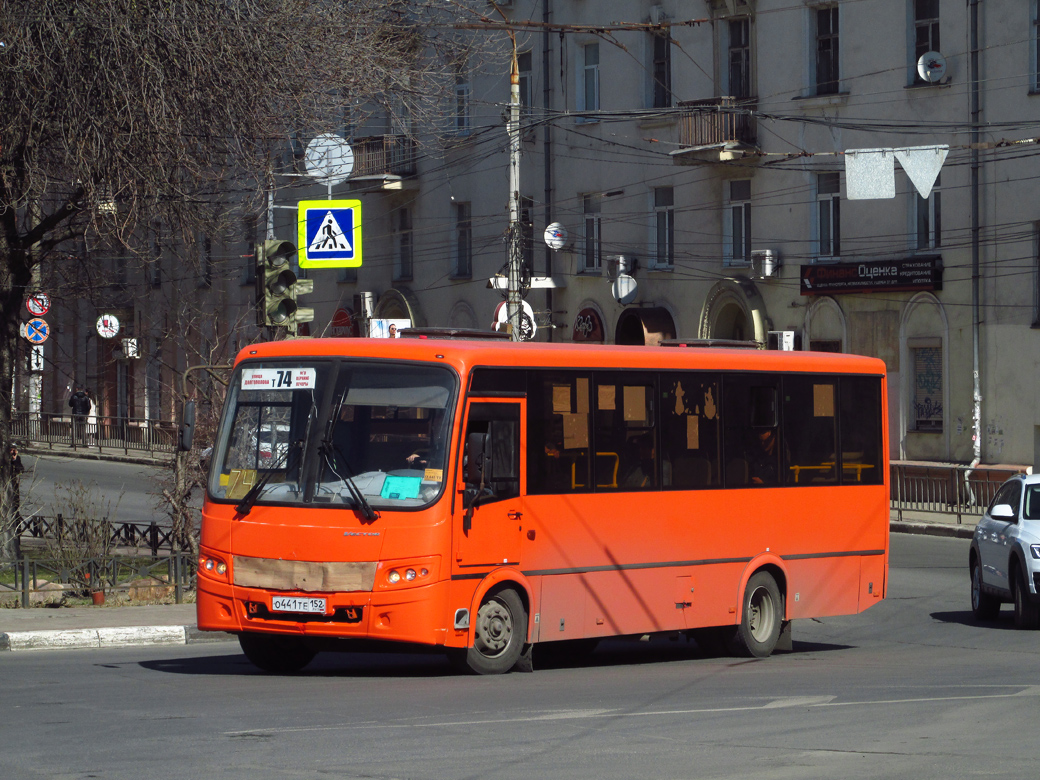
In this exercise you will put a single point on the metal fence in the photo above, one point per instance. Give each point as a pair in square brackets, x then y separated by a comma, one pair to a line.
[137, 536]
[172, 573]
[961, 491]
[125, 434]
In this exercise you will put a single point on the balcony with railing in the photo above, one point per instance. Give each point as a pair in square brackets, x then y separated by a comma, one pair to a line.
[716, 129]
[384, 158]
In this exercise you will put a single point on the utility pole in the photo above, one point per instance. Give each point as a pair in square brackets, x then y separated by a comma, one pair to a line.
[976, 281]
[514, 308]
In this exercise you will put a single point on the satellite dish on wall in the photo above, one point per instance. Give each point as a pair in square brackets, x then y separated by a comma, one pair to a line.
[931, 66]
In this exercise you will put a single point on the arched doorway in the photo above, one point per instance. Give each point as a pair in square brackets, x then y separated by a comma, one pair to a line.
[400, 305]
[647, 327]
[732, 323]
[734, 309]
[825, 327]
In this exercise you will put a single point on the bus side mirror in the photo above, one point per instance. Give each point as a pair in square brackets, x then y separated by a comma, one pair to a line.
[187, 430]
[478, 458]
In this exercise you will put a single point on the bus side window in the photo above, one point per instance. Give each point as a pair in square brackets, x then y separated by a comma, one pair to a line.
[810, 430]
[860, 428]
[752, 445]
[501, 424]
[557, 433]
[690, 430]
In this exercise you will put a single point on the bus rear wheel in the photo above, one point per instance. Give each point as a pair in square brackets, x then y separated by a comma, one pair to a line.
[499, 634]
[276, 653]
[761, 618]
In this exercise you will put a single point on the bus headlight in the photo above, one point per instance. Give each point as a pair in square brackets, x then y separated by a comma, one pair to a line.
[213, 566]
[408, 573]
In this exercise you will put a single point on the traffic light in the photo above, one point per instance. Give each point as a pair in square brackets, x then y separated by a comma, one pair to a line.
[277, 288]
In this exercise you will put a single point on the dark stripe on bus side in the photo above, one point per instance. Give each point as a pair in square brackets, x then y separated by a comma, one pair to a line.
[668, 564]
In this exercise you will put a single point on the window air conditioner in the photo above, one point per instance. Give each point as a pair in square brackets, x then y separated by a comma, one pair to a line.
[784, 340]
[765, 263]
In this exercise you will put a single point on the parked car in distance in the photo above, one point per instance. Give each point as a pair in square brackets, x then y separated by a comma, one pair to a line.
[1004, 561]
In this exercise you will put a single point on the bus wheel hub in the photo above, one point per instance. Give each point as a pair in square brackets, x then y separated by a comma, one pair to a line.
[494, 628]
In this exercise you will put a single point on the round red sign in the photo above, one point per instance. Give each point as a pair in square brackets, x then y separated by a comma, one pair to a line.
[38, 304]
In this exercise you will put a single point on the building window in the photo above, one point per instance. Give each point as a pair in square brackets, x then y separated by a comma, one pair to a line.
[593, 233]
[1036, 47]
[205, 261]
[588, 90]
[827, 51]
[738, 223]
[662, 69]
[926, 32]
[347, 276]
[927, 401]
[523, 63]
[462, 116]
[157, 254]
[249, 239]
[463, 241]
[928, 218]
[403, 266]
[1036, 276]
[740, 58]
[828, 208]
[664, 227]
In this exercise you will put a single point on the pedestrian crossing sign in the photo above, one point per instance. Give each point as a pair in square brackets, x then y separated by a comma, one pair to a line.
[329, 233]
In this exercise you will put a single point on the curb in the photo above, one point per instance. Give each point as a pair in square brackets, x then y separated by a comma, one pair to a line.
[95, 638]
[933, 529]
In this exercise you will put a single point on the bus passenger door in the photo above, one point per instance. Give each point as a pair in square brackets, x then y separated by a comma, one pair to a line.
[488, 504]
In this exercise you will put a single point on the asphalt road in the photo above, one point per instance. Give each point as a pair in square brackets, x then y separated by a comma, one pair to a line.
[912, 688]
[124, 492]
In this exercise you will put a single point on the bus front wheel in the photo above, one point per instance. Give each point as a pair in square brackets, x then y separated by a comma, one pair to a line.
[499, 633]
[276, 653]
[761, 618]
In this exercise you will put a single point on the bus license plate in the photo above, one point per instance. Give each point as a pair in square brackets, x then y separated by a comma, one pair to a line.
[296, 604]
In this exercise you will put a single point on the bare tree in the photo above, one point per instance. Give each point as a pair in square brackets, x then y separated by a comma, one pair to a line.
[118, 113]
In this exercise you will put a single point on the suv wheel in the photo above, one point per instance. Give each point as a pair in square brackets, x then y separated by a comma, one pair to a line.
[983, 605]
[1027, 613]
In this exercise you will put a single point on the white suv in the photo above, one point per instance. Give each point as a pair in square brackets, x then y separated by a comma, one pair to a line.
[1004, 561]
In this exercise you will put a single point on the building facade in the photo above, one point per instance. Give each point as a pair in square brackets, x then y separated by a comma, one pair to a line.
[700, 149]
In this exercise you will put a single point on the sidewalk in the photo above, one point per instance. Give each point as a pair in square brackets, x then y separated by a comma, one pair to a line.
[66, 628]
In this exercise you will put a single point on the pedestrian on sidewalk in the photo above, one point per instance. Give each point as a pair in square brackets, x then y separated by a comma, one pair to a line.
[92, 427]
[80, 403]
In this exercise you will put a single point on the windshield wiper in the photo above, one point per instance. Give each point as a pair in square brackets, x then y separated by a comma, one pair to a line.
[249, 499]
[364, 508]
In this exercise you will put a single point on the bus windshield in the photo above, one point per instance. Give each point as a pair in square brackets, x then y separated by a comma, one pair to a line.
[326, 432]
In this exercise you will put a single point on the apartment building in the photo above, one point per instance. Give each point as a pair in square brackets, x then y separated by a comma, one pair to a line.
[699, 150]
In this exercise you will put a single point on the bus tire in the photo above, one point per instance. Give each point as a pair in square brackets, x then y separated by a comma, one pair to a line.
[983, 605]
[499, 634]
[1027, 613]
[761, 618]
[276, 653]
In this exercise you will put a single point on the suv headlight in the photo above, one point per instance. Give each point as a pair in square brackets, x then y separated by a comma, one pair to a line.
[1034, 549]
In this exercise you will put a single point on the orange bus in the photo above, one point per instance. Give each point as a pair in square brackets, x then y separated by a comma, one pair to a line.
[483, 497]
